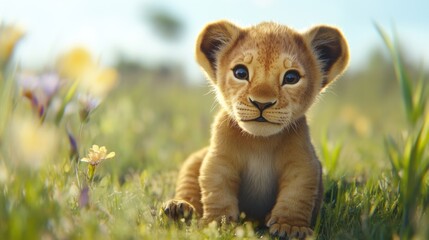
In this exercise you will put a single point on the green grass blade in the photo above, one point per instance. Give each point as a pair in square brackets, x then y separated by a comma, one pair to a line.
[394, 156]
[6, 95]
[70, 93]
[421, 95]
[401, 75]
[423, 139]
[336, 154]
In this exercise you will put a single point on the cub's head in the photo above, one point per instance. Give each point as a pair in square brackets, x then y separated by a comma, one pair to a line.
[268, 75]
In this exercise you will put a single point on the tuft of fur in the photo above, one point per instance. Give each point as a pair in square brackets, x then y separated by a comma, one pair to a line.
[265, 168]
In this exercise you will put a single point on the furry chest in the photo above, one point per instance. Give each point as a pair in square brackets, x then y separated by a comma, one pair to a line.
[258, 187]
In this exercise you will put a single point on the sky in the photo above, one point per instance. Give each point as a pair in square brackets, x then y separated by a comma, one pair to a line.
[109, 28]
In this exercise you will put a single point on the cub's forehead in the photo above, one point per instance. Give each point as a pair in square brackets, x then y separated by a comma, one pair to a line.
[270, 41]
[272, 36]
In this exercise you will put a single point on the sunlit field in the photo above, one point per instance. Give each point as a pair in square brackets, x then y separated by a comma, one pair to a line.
[89, 151]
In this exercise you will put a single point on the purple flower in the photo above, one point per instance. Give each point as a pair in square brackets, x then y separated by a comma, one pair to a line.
[73, 145]
[45, 85]
[84, 197]
[49, 83]
[39, 89]
[88, 104]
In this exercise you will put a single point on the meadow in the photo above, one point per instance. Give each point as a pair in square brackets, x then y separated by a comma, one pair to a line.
[371, 132]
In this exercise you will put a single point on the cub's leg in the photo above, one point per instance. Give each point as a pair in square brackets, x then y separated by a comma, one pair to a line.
[299, 195]
[219, 181]
[187, 199]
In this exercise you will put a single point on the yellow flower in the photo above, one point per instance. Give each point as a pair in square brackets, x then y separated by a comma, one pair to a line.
[79, 65]
[98, 81]
[9, 37]
[75, 62]
[97, 155]
[33, 144]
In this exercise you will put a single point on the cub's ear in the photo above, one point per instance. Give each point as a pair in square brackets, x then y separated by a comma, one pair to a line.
[214, 40]
[331, 49]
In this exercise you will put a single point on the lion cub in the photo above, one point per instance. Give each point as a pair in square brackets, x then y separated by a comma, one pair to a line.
[260, 160]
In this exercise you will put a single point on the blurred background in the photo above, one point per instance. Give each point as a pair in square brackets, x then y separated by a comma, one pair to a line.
[146, 75]
[152, 33]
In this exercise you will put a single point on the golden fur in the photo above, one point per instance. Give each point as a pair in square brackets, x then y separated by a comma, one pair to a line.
[260, 160]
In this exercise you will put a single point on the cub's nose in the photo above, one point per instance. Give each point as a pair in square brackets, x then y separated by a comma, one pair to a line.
[262, 106]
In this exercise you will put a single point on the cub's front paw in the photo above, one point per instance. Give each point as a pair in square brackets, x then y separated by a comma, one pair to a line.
[282, 228]
[178, 209]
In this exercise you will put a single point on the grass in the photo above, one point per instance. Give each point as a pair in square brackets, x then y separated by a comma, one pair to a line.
[375, 167]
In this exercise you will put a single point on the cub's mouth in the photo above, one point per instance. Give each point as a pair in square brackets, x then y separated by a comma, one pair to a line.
[258, 119]
[260, 126]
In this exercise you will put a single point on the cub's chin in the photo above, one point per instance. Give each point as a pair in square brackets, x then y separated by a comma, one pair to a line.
[260, 129]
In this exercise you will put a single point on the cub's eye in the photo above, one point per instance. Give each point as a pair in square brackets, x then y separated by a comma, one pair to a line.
[241, 72]
[291, 77]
